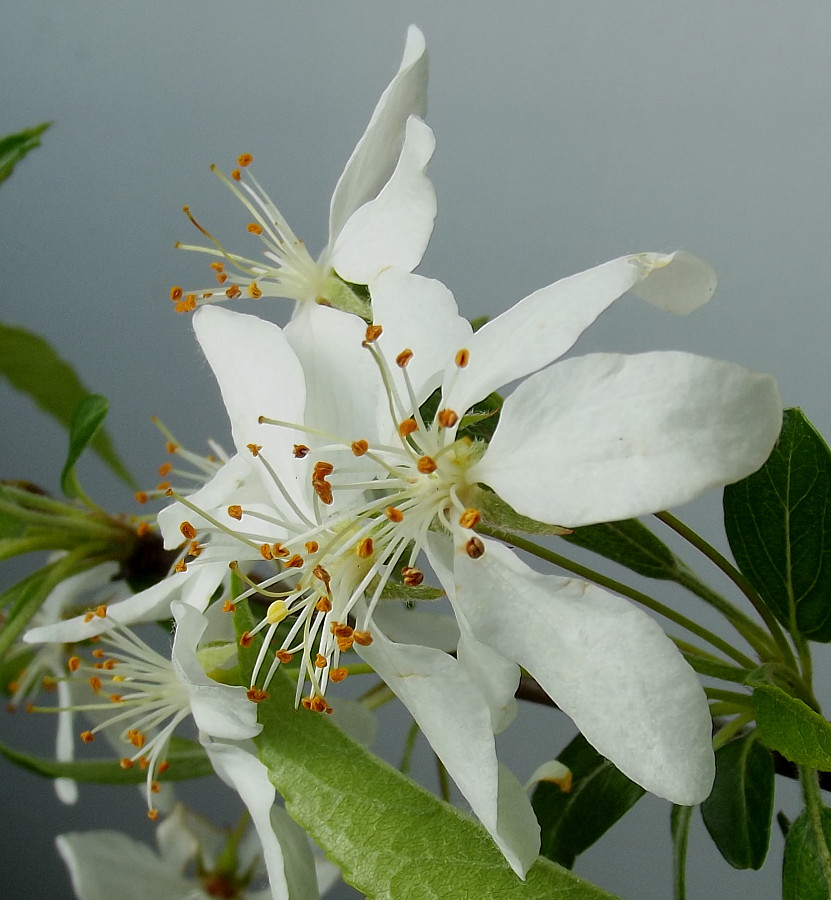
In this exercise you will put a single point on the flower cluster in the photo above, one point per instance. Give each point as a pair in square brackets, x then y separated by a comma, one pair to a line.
[360, 469]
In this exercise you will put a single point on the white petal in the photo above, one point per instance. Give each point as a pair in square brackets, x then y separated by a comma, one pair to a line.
[394, 228]
[606, 436]
[249, 778]
[451, 712]
[680, 286]
[176, 841]
[416, 626]
[72, 590]
[259, 375]
[418, 314]
[107, 864]
[65, 788]
[605, 663]
[219, 710]
[543, 326]
[374, 158]
[298, 859]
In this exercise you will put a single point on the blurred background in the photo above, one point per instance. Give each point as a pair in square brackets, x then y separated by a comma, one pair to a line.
[567, 134]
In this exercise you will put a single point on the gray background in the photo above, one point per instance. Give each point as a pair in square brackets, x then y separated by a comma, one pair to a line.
[568, 133]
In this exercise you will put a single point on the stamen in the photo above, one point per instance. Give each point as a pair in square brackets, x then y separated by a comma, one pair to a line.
[447, 418]
[470, 518]
[462, 358]
[475, 548]
[403, 358]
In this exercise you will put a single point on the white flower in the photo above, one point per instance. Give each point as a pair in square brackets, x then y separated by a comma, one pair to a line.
[381, 212]
[592, 439]
[187, 866]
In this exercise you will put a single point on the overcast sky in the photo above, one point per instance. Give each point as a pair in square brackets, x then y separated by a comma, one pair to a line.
[568, 133]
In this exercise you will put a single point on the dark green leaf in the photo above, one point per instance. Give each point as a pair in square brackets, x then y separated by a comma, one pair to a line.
[790, 726]
[778, 522]
[14, 147]
[33, 367]
[629, 543]
[806, 868]
[187, 760]
[739, 810]
[392, 838]
[600, 795]
[88, 418]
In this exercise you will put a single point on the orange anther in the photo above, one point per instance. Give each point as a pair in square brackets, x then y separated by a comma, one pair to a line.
[474, 548]
[255, 449]
[447, 418]
[171, 447]
[87, 737]
[221, 277]
[89, 616]
[176, 293]
[320, 661]
[266, 552]
[324, 490]
[339, 629]
[373, 332]
[180, 566]
[255, 695]
[364, 638]
[412, 576]
[228, 606]
[195, 549]
[279, 551]
[162, 767]
[95, 683]
[324, 605]
[301, 450]
[152, 814]
[296, 562]
[254, 228]
[188, 530]
[126, 763]
[218, 266]
[463, 357]
[162, 485]
[359, 448]
[98, 653]
[74, 663]
[246, 639]
[338, 674]
[141, 496]
[155, 787]
[235, 512]
[116, 698]
[244, 159]
[403, 358]
[365, 548]
[137, 739]
[408, 426]
[164, 469]
[322, 469]
[254, 291]
[426, 465]
[142, 529]
[322, 575]
[233, 292]
[284, 656]
[312, 547]
[394, 514]
[236, 174]
[470, 518]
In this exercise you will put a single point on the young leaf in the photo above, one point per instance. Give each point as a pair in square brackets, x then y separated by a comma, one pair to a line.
[391, 838]
[778, 523]
[33, 367]
[14, 147]
[629, 543]
[600, 794]
[806, 868]
[88, 418]
[790, 726]
[187, 760]
[739, 810]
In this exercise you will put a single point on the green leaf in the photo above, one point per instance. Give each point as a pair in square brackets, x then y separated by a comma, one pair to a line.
[600, 794]
[806, 868]
[495, 511]
[790, 726]
[392, 839]
[88, 418]
[14, 147]
[187, 760]
[738, 812]
[778, 523]
[33, 367]
[629, 543]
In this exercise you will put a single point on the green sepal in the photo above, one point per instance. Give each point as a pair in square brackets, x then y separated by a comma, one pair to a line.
[739, 810]
[14, 147]
[495, 511]
[787, 724]
[187, 760]
[806, 867]
[33, 367]
[391, 837]
[600, 795]
[778, 523]
[88, 418]
[631, 544]
[350, 298]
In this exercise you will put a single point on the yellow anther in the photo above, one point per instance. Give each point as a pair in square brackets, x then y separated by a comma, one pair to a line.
[470, 518]
[253, 290]
[276, 612]
[254, 449]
